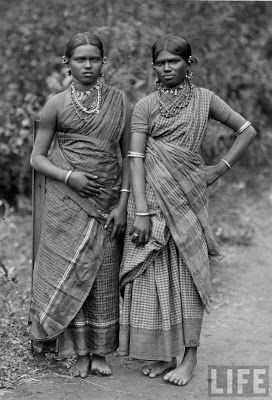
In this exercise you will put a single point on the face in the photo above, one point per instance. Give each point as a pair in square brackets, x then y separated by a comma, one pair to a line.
[86, 64]
[170, 68]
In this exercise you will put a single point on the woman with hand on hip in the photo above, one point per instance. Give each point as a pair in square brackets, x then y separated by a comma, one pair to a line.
[165, 279]
[75, 305]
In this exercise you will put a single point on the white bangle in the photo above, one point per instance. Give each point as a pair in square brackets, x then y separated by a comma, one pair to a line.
[125, 190]
[67, 176]
[136, 154]
[143, 214]
[225, 162]
[243, 127]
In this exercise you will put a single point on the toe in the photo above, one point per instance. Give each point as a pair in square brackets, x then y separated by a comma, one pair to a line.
[171, 378]
[176, 381]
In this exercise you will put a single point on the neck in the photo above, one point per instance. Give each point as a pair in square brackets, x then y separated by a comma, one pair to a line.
[180, 86]
[82, 87]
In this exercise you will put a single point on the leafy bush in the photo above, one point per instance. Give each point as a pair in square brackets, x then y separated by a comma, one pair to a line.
[230, 39]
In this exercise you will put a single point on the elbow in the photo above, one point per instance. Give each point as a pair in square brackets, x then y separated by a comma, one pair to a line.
[252, 133]
[33, 161]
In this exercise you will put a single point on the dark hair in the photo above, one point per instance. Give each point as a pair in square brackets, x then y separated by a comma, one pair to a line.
[175, 44]
[83, 38]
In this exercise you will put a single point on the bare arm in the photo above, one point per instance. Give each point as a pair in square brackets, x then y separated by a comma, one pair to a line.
[141, 229]
[118, 216]
[45, 135]
[125, 161]
[83, 183]
[235, 121]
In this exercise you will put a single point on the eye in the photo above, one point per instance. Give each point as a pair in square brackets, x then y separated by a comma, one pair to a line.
[158, 64]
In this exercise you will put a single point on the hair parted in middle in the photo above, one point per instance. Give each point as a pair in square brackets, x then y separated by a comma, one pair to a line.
[80, 39]
[175, 44]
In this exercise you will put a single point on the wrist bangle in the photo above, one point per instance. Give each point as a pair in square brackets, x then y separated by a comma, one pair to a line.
[225, 162]
[142, 214]
[136, 154]
[125, 190]
[67, 176]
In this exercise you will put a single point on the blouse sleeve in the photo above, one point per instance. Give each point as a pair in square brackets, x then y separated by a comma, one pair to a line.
[219, 110]
[139, 120]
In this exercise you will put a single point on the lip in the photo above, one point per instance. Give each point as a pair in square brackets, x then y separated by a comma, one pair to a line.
[168, 76]
[87, 73]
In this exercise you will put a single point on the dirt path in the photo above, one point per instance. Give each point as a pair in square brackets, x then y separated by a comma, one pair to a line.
[238, 332]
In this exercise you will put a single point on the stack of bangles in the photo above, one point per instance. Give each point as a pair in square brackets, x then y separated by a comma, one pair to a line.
[134, 154]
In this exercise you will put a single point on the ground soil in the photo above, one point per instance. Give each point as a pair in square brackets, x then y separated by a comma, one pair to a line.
[237, 332]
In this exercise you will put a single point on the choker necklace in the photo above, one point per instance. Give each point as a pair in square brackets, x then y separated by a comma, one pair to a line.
[182, 93]
[78, 99]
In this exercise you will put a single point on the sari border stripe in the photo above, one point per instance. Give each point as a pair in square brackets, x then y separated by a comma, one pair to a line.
[82, 244]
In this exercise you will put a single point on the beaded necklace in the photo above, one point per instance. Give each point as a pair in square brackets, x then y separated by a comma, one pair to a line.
[78, 97]
[182, 96]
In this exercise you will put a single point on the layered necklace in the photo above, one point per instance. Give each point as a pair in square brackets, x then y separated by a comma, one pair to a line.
[80, 101]
[177, 98]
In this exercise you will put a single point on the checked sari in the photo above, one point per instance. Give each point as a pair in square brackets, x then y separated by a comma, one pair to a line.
[75, 282]
[166, 285]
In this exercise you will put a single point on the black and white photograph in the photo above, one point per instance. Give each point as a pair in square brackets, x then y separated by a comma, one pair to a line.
[135, 200]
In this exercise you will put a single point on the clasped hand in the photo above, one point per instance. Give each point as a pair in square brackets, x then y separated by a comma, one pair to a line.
[84, 184]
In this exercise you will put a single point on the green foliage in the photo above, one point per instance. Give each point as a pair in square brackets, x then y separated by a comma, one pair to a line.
[231, 40]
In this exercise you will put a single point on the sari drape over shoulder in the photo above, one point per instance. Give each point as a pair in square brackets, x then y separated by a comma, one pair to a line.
[72, 239]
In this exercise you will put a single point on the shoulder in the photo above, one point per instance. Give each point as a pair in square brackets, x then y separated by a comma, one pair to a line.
[56, 100]
[204, 92]
[113, 90]
[146, 102]
[53, 105]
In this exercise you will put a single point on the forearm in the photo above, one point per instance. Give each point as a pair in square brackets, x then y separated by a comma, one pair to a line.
[137, 171]
[125, 186]
[43, 165]
[237, 149]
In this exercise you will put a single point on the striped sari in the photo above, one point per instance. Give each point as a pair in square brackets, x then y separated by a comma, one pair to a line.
[166, 285]
[75, 302]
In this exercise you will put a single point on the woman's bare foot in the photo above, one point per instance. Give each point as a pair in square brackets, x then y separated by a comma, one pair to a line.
[182, 374]
[156, 368]
[99, 366]
[81, 366]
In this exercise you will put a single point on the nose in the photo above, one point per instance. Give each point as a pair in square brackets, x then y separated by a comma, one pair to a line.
[167, 66]
[88, 64]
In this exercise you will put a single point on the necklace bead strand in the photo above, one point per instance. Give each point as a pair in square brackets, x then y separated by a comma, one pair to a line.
[182, 93]
[79, 108]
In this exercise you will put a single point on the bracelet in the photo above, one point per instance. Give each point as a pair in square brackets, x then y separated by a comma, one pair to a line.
[67, 176]
[243, 127]
[125, 190]
[225, 162]
[143, 214]
[135, 154]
